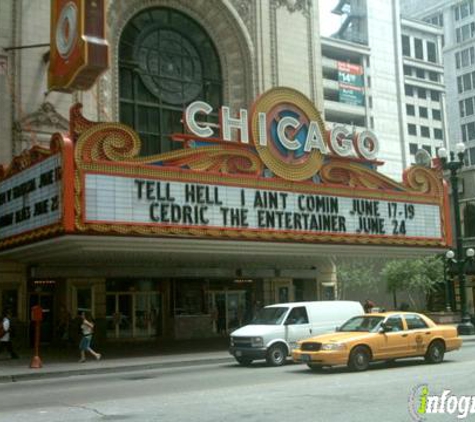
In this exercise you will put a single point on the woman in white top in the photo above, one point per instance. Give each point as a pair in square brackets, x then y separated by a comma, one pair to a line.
[87, 329]
[5, 339]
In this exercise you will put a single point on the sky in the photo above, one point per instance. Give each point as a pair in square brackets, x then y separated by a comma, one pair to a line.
[329, 22]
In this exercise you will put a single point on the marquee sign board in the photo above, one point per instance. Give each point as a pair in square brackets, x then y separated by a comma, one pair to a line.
[147, 201]
[79, 51]
[274, 174]
[31, 199]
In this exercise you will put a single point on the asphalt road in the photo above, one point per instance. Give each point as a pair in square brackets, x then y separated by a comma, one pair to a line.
[228, 392]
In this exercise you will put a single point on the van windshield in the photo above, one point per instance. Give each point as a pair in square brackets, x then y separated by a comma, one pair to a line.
[270, 316]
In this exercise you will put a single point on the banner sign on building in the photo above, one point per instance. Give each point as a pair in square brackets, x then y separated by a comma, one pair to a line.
[350, 83]
[79, 51]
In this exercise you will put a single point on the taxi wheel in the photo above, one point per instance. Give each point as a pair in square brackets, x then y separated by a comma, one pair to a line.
[276, 355]
[244, 361]
[359, 359]
[435, 352]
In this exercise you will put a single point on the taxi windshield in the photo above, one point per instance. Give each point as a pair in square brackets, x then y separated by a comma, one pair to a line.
[369, 324]
[270, 316]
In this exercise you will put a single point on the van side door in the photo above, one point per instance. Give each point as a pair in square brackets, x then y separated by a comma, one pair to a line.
[297, 326]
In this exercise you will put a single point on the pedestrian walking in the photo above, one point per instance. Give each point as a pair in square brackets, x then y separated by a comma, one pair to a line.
[5, 335]
[87, 329]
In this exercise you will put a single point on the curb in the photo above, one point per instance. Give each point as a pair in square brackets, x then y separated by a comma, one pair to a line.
[108, 370]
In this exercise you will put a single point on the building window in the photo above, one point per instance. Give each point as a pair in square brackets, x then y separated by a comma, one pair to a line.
[425, 132]
[438, 134]
[457, 60]
[462, 108]
[411, 129]
[413, 149]
[469, 106]
[406, 46]
[434, 95]
[423, 112]
[409, 90]
[166, 61]
[459, 84]
[431, 52]
[434, 76]
[428, 148]
[465, 57]
[407, 70]
[418, 51]
[471, 132]
[437, 20]
[420, 73]
[436, 114]
[468, 133]
[421, 93]
[469, 216]
[467, 82]
[410, 110]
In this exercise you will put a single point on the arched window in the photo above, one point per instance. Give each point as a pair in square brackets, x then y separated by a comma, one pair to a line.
[166, 61]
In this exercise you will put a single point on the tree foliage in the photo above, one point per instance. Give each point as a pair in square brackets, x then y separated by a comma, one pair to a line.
[356, 274]
[419, 275]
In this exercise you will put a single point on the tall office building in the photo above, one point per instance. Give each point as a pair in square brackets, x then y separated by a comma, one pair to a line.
[457, 21]
[384, 72]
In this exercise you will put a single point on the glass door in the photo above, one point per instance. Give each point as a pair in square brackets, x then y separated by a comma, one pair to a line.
[119, 312]
[227, 310]
[135, 314]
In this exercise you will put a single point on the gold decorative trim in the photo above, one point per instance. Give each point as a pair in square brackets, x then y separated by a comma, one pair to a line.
[29, 158]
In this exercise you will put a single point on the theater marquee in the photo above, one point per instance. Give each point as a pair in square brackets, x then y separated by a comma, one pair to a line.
[273, 173]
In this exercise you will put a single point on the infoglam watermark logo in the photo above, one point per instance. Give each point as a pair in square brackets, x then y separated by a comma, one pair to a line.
[422, 404]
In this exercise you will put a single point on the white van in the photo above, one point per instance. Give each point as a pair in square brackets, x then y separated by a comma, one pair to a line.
[274, 332]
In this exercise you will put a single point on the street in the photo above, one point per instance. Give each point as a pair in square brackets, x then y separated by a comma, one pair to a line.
[226, 391]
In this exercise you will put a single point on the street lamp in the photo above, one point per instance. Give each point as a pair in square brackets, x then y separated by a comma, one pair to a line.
[456, 258]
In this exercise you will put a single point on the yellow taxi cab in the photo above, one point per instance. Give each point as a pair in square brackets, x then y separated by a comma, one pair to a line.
[379, 336]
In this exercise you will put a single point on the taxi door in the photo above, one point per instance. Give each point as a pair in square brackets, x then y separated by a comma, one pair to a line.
[394, 341]
[297, 326]
[419, 334]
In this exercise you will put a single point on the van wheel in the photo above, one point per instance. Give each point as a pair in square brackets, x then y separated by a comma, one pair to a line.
[435, 352]
[359, 359]
[244, 361]
[276, 355]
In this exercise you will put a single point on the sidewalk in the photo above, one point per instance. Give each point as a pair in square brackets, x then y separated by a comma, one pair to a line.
[115, 358]
[123, 358]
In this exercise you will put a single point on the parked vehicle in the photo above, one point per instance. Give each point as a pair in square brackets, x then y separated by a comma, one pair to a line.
[379, 336]
[274, 332]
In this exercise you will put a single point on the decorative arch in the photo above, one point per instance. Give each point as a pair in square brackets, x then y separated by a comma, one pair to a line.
[223, 25]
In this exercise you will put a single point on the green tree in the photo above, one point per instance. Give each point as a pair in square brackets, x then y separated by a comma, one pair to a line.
[356, 275]
[413, 276]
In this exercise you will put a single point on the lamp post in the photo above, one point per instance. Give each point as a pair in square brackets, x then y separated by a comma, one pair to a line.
[456, 258]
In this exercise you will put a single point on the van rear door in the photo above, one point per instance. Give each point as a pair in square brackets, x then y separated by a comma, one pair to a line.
[297, 326]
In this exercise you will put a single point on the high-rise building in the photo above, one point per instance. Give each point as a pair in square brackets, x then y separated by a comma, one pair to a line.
[397, 81]
[457, 21]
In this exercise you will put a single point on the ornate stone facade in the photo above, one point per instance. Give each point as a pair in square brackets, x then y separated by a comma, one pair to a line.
[223, 24]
